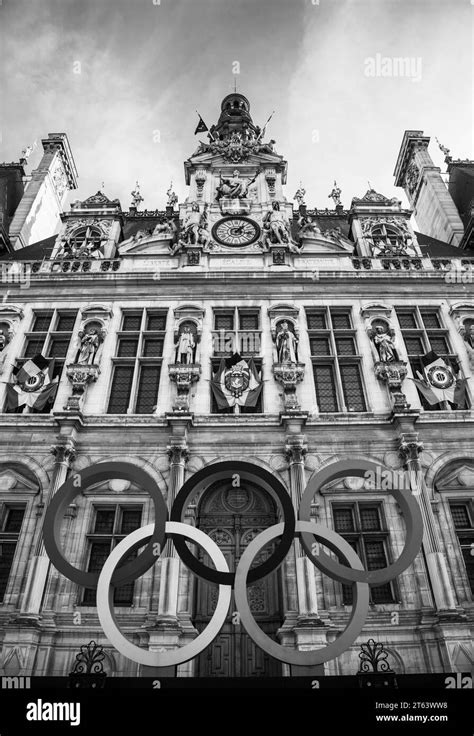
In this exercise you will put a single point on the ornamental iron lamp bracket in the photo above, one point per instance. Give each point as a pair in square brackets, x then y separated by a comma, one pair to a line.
[88, 671]
[374, 669]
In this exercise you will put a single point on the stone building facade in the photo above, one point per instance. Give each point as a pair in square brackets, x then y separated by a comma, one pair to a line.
[328, 311]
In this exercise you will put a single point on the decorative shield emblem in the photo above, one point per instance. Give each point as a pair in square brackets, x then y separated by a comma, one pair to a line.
[33, 383]
[440, 376]
[237, 380]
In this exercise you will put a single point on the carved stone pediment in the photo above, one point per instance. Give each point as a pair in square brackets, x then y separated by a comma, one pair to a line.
[457, 478]
[11, 480]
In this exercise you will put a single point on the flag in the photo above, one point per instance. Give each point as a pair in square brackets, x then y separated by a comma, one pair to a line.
[236, 382]
[439, 375]
[260, 137]
[438, 382]
[201, 126]
[460, 393]
[33, 384]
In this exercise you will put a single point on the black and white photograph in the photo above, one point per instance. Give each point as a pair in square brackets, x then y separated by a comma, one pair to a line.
[236, 366]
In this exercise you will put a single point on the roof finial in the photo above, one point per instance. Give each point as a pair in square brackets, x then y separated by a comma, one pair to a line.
[335, 195]
[136, 196]
[370, 186]
[446, 151]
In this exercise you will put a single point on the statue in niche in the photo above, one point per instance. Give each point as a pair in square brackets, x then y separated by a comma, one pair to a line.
[469, 340]
[185, 346]
[276, 227]
[286, 344]
[384, 344]
[89, 344]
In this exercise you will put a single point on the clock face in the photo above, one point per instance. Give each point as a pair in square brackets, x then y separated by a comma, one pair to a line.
[236, 231]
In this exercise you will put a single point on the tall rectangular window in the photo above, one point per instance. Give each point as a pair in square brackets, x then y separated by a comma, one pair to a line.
[237, 330]
[50, 336]
[463, 520]
[137, 362]
[362, 526]
[110, 525]
[423, 331]
[11, 520]
[336, 361]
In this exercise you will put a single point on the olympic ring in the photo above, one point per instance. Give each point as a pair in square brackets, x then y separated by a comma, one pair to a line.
[247, 471]
[105, 604]
[359, 612]
[352, 572]
[410, 510]
[66, 494]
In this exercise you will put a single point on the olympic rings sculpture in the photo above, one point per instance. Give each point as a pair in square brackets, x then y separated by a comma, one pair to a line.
[153, 536]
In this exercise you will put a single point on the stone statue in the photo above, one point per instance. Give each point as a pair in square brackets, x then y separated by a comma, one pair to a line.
[469, 340]
[137, 198]
[286, 343]
[385, 345]
[166, 228]
[234, 187]
[299, 195]
[89, 346]
[411, 177]
[335, 195]
[444, 149]
[191, 226]
[185, 346]
[204, 235]
[308, 228]
[172, 197]
[276, 226]
[26, 152]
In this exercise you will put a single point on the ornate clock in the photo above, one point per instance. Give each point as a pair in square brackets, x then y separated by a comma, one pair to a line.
[236, 232]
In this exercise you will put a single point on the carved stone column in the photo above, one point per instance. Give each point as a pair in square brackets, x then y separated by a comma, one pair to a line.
[64, 453]
[168, 598]
[409, 450]
[305, 580]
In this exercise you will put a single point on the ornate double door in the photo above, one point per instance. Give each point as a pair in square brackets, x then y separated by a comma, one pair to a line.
[232, 517]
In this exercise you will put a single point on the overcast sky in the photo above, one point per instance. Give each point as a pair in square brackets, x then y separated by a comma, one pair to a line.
[123, 79]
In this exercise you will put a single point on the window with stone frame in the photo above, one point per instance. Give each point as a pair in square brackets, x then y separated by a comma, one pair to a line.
[237, 330]
[336, 360]
[389, 240]
[363, 526]
[423, 330]
[462, 514]
[137, 362]
[50, 336]
[84, 241]
[110, 524]
[11, 520]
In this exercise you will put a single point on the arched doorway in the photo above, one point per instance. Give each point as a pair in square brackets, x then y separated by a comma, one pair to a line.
[232, 517]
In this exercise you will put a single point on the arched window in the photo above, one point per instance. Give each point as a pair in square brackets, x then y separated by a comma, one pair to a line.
[388, 240]
[84, 242]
